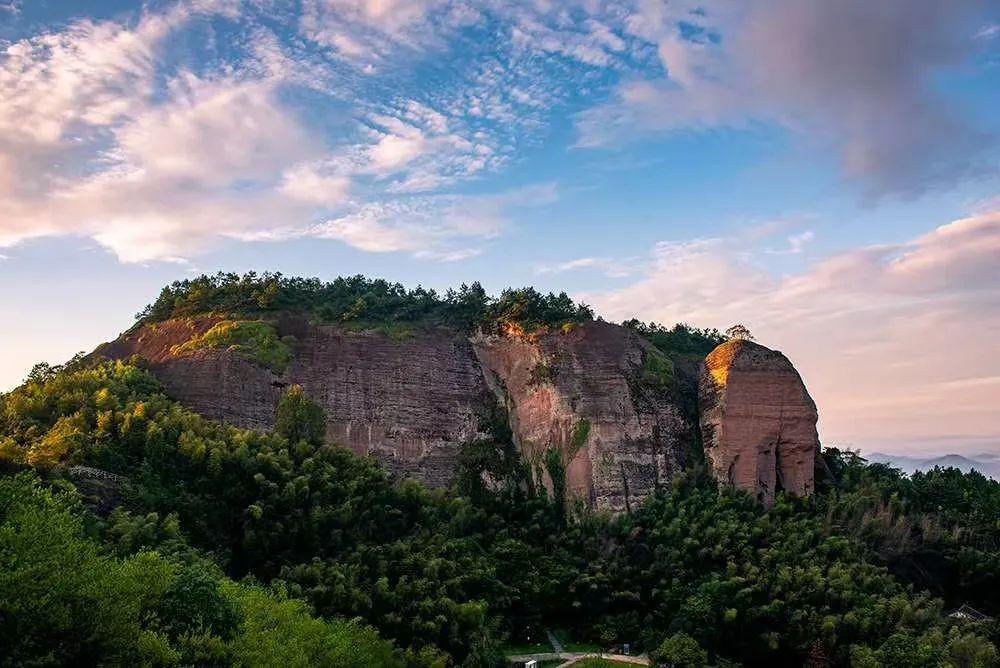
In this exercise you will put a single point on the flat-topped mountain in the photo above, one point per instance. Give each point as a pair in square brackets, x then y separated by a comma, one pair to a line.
[411, 378]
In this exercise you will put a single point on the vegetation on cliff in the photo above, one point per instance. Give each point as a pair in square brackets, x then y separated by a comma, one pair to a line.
[358, 300]
[679, 341]
[445, 577]
[255, 338]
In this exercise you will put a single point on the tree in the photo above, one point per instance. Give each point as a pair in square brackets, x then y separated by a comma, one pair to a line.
[680, 651]
[300, 419]
[739, 332]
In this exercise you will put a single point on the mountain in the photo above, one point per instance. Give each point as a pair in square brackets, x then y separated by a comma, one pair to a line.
[411, 378]
[142, 525]
[986, 463]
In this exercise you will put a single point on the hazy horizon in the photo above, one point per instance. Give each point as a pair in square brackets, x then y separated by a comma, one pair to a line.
[822, 172]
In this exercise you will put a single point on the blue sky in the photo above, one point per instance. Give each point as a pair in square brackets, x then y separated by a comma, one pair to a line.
[823, 172]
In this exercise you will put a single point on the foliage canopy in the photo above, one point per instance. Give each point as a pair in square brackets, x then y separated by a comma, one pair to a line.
[861, 573]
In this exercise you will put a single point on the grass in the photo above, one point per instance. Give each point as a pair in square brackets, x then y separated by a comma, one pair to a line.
[580, 433]
[397, 331]
[571, 645]
[542, 373]
[657, 370]
[255, 338]
[599, 663]
[525, 648]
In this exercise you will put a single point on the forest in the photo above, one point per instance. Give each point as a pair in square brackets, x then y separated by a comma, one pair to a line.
[135, 532]
[362, 301]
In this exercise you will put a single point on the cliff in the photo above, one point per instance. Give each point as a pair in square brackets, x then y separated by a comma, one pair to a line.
[758, 422]
[602, 396]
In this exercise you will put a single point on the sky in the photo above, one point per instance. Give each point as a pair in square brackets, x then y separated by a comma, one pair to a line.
[825, 173]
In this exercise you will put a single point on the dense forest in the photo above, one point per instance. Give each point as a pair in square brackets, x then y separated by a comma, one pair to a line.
[134, 532]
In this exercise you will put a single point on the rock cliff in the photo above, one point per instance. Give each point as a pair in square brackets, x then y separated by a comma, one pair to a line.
[596, 392]
[758, 422]
[600, 395]
[409, 402]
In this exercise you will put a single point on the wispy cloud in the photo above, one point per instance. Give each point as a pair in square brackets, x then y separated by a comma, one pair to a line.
[849, 74]
[608, 266]
[328, 117]
[988, 31]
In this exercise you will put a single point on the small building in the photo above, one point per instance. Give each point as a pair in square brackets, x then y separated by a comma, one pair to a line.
[967, 613]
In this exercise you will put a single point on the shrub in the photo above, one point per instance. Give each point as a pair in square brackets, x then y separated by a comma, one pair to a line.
[255, 338]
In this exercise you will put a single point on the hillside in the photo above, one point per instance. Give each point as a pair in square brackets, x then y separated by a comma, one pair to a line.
[986, 463]
[412, 377]
[420, 489]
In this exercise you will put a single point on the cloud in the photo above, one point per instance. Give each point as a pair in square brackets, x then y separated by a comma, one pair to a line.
[883, 335]
[124, 131]
[796, 243]
[854, 75]
[439, 227]
[366, 31]
[155, 165]
[608, 266]
[179, 176]
[988, 31]
[197, 135]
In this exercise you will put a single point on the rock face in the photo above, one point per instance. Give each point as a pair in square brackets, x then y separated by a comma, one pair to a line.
[412, 402]
[584, 393]
[758, 422]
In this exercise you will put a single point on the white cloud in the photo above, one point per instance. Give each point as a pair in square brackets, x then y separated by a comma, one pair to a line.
[181, 175]
[608, 266]
[88, 75]
[199, 134]
[883, 335]
[988, 31]
[393, 151]
[112, 131]
[439, 227]
[309, 183]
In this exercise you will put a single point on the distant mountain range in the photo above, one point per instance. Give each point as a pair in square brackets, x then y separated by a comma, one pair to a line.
[987, 463]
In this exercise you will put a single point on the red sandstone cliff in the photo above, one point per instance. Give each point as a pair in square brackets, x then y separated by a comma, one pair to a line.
[413, 401]
[758, 421]
[586, 393]
[607, 400]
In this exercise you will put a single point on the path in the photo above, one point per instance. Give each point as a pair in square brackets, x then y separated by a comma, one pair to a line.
[569, 658]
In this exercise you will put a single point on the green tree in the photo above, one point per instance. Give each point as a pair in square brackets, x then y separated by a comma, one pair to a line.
[680, 651]
[300, 419]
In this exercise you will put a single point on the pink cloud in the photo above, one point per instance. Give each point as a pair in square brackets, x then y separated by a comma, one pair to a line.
[885, 336]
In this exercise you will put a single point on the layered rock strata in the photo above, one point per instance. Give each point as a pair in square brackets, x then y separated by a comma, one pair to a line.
[586, 393]
[412, 401]
[758, 421]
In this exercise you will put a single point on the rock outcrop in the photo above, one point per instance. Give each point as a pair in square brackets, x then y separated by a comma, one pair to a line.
[589, 393]
[758, 422]
[410, 402]
[602, 396]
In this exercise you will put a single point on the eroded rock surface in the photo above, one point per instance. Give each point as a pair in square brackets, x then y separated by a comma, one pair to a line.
[758, 422]
[409, 402]
[598, 393]
[588, 393]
